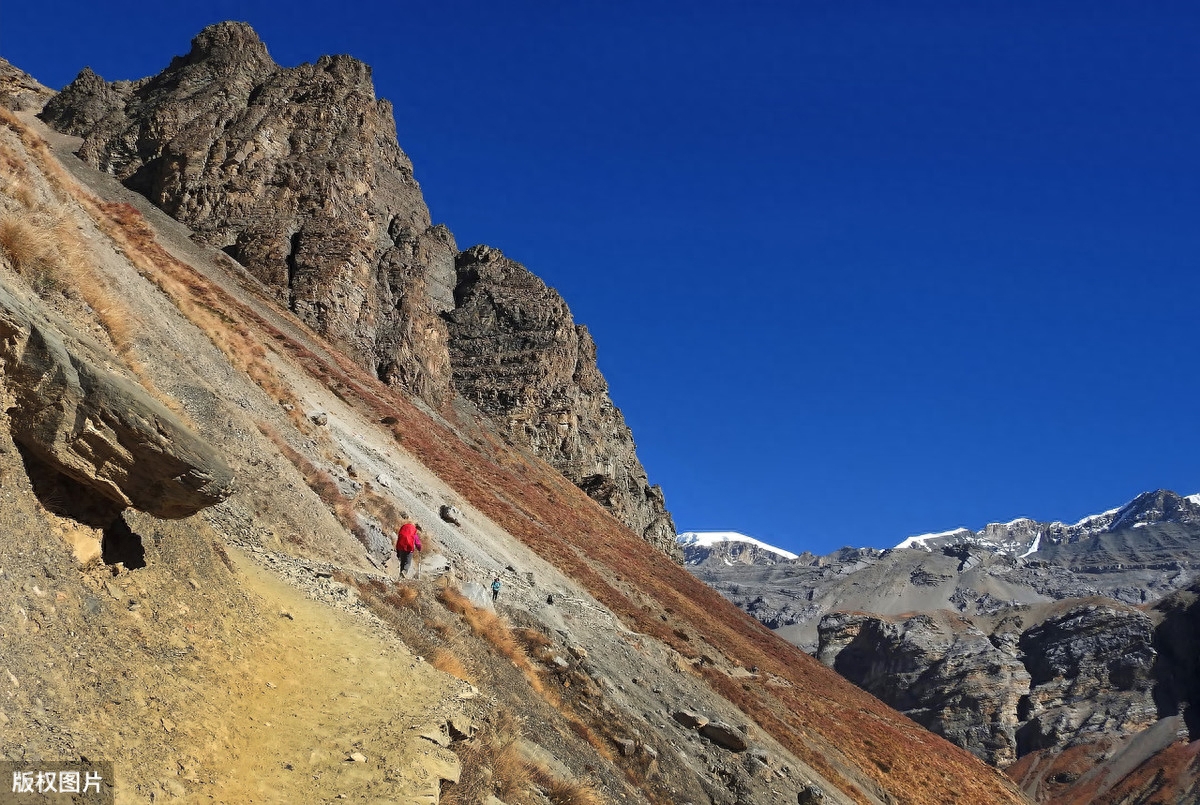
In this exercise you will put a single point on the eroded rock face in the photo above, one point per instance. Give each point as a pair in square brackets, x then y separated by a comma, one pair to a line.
[297, 174]
[519, 356]
[939, 670]
[1091, 672]
[97, 427]
[1070, 679]
[19, 91]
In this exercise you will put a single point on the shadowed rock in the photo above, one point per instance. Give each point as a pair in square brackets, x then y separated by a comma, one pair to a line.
[97, 427]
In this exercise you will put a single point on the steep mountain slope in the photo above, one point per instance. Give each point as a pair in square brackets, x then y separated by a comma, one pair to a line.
[296, 173]
[186, 641]
[1030, 644]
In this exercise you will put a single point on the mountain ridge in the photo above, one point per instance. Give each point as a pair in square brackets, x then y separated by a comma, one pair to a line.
[1046, 649]
[297, 174]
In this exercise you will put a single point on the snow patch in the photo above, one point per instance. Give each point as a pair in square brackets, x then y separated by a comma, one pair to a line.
[1037, 543]
[919, 542]
[707, 539]
[1194, 498]
[1091, 517]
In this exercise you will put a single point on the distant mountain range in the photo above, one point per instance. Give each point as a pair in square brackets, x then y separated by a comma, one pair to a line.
[1020, 537]
[1062, 653]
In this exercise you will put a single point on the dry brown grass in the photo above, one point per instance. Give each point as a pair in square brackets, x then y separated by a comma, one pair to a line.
[493, 764]
[445, 660]
[492, 628]
[198, 300]
[30, 248]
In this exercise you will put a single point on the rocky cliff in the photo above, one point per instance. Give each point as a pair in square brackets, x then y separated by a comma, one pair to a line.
[296, 173]
[1037, 646]
[233, 647]
[518, 355]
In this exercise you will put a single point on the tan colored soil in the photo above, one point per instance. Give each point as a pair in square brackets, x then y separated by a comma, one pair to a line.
[311, 690]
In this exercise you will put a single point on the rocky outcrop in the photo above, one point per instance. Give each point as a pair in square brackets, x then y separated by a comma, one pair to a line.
[1078, 677]
[19, 91]
[97, 428]
[1091, 674]
[296, 173]
[518, 355]
[937, 669]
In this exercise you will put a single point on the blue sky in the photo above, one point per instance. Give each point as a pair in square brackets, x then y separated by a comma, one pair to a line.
[856, 270]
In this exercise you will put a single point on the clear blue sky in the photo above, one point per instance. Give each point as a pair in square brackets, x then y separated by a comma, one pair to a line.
[856, 270]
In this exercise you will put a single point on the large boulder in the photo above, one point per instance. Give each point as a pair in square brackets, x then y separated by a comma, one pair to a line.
[97, 427]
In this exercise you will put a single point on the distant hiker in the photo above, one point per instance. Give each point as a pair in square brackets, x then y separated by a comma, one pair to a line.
[495, 589]
[407, 540]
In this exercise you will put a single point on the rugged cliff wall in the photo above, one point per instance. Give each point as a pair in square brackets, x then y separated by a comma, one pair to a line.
[519, 356]
[297, 174]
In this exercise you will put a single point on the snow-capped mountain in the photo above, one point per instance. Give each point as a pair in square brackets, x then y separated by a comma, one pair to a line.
[729, 547]
[1023, 537]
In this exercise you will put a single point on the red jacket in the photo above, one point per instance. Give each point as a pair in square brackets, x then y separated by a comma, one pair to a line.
[408, 540]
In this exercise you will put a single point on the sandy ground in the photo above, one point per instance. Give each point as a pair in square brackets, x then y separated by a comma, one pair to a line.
[315, 688]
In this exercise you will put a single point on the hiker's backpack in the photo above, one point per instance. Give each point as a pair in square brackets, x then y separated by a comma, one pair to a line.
[406, 539]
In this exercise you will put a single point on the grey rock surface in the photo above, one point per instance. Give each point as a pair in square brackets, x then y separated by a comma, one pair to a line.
[95, 426]
[297, 174]
[521, 359]
[294, 172]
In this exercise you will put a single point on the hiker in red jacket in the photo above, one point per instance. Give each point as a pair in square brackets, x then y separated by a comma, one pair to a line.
[407, 540]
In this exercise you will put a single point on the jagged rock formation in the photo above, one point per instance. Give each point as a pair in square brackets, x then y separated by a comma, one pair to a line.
[519, 356]
[103, 431]
[1027, 643]
[19, 90]
[1072, 678]
[939, 670]
[1091, 673]
[297, 174]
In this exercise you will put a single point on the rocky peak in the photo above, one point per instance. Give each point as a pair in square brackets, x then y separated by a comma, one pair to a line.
[19, 90]
[517, 353]
[1161, 506]
[225, 44]
[297, 174]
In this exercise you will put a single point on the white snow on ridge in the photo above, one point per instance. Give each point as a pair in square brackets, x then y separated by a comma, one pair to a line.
[1092, 517]
[706, 539]
[1194, 498]
[919, 542]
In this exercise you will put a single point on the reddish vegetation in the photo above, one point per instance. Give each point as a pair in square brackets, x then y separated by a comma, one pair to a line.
[830, 724]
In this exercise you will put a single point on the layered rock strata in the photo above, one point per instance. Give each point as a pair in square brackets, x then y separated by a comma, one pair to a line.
[939, 670]
[297, 174]
[74, 416]
[518, 355]
[1077, 677]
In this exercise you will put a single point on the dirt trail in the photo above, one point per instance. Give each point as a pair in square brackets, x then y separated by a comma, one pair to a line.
[313, 688]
